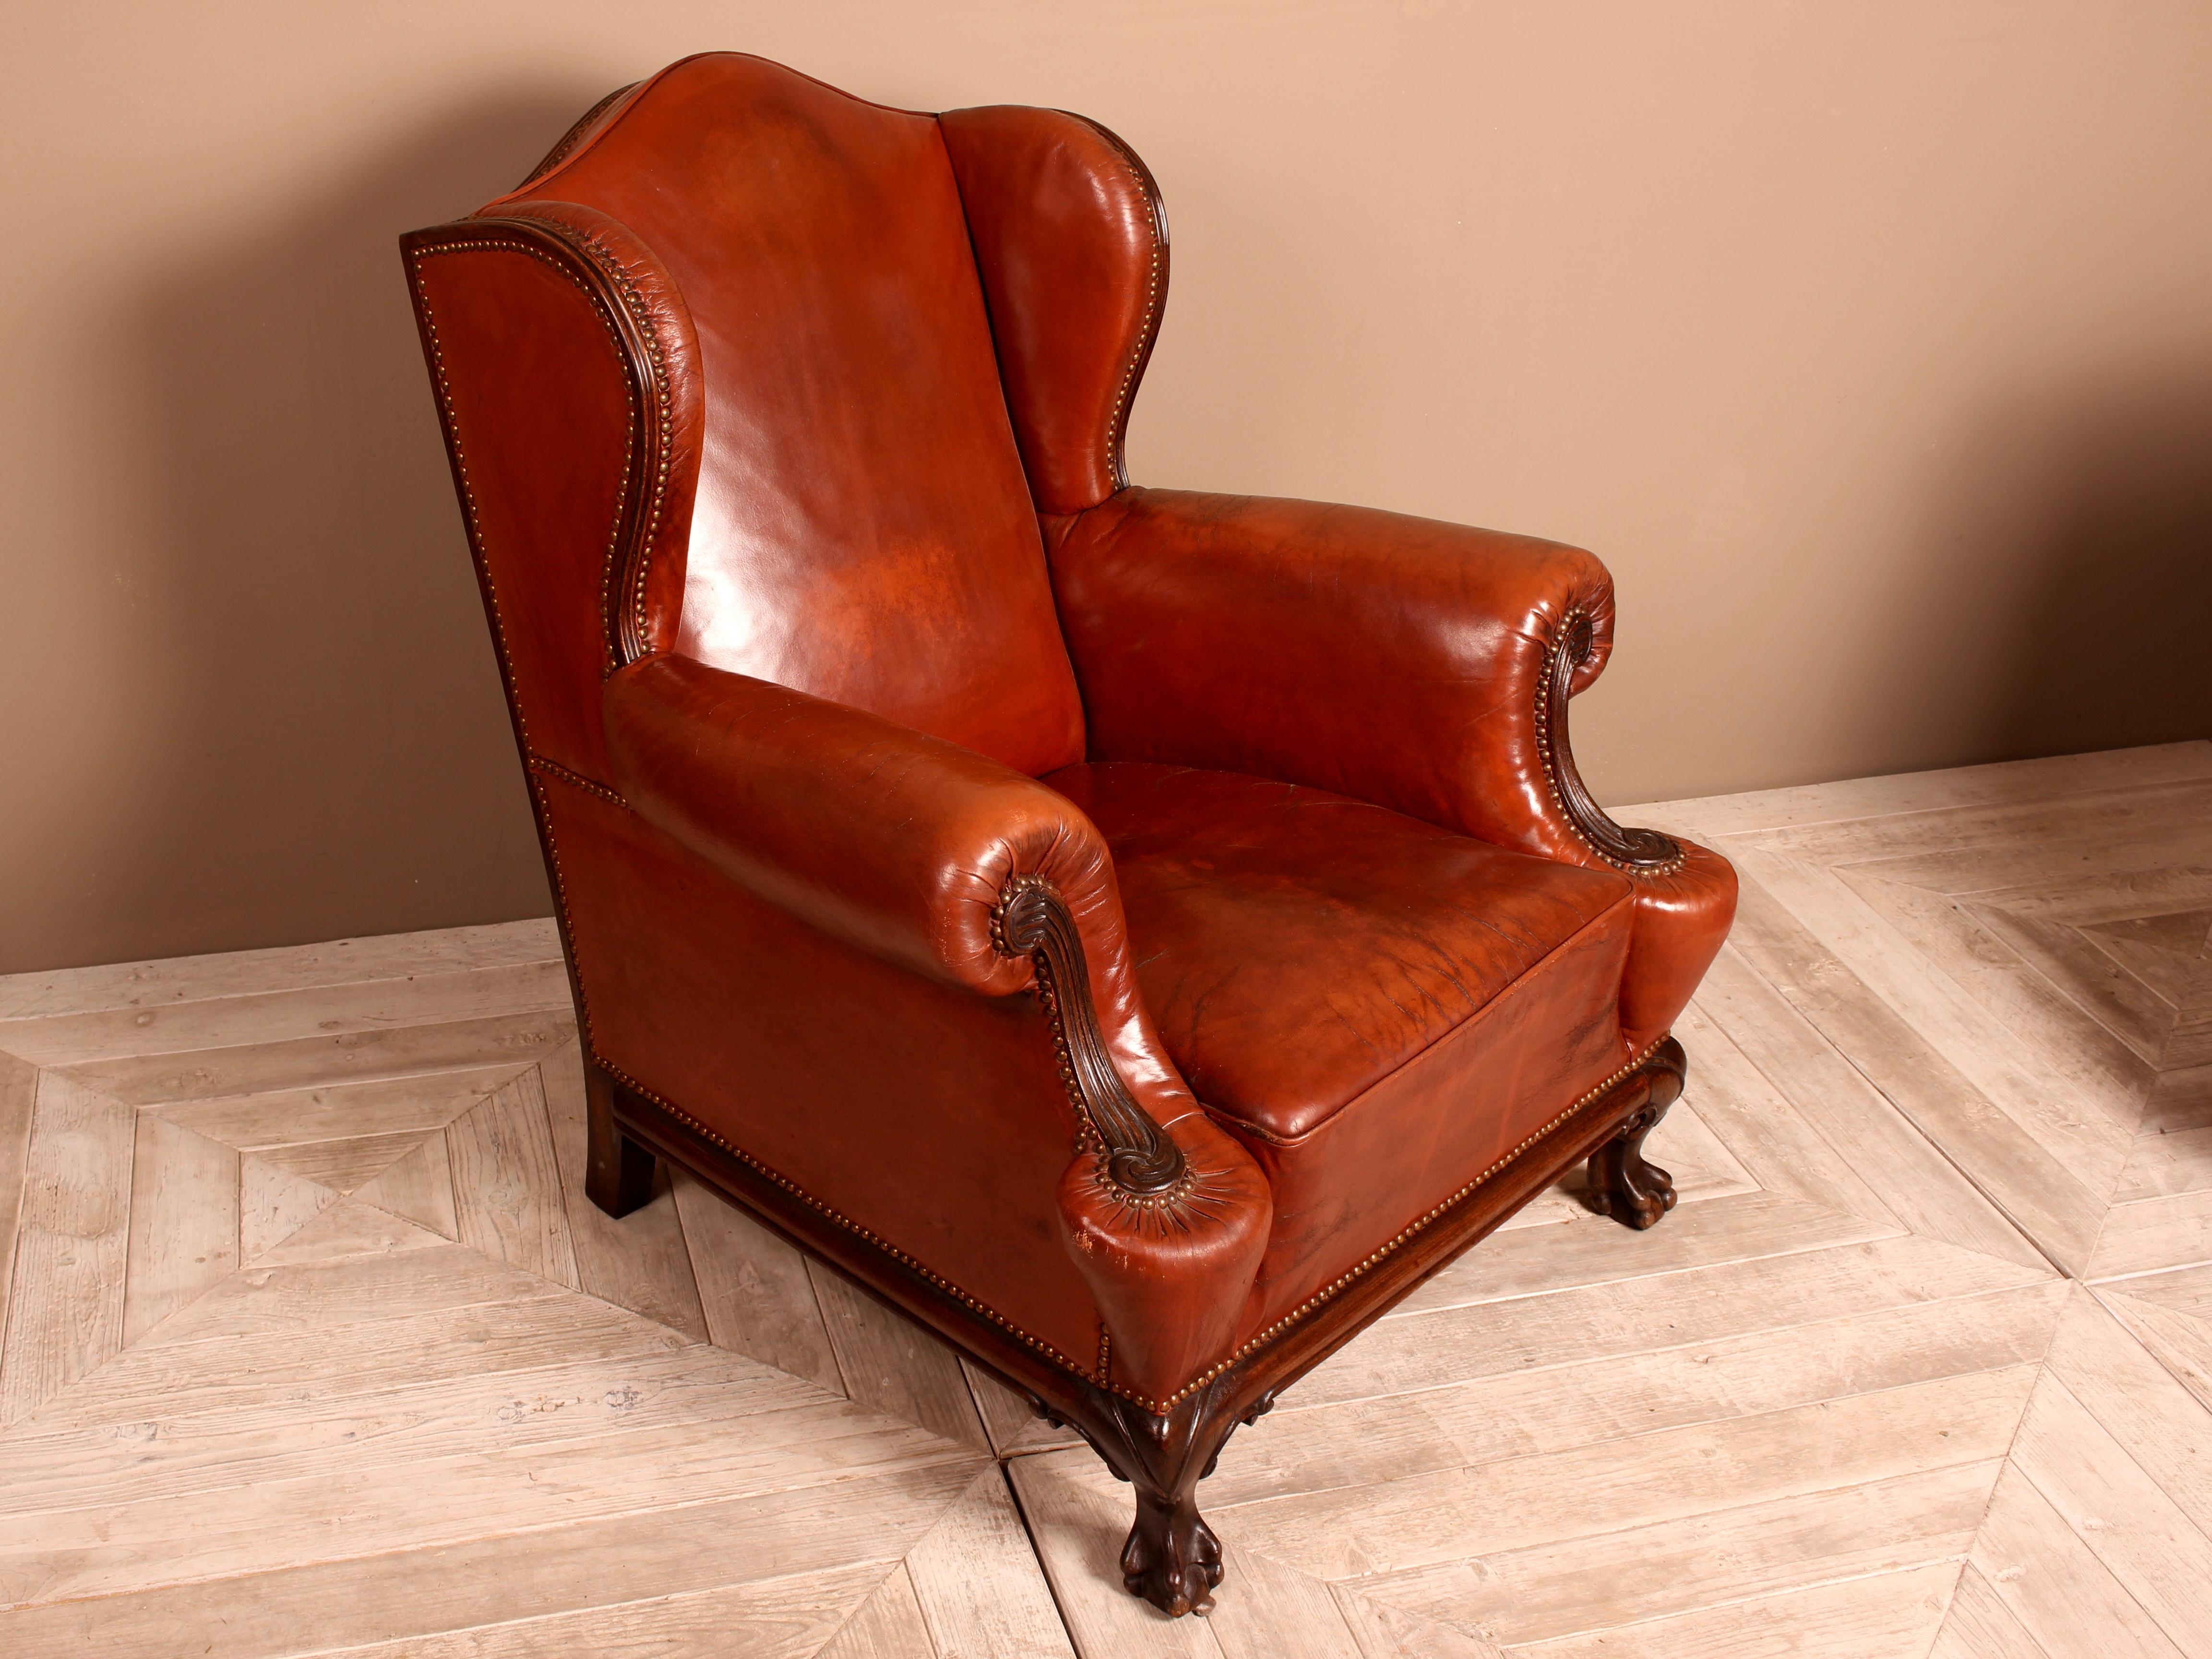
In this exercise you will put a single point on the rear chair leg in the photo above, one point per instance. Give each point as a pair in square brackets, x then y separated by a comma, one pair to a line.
[618, 1172]
[1621, 1184]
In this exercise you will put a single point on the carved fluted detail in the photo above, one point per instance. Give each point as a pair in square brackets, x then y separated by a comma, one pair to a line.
[1033, 921]
[1638, 852]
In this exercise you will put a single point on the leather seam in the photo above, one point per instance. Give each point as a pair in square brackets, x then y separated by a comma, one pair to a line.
[575, 780]
[1229, 1121]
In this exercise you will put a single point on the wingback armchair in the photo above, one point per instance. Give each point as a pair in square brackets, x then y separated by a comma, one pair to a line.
[1138, 934]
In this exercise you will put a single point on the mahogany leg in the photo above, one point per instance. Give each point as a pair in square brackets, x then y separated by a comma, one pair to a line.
[1172, 1559]
[1621, 1184]
[618, 1172]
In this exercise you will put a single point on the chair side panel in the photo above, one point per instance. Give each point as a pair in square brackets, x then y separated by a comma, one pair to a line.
[931, 1117]
[540, 423]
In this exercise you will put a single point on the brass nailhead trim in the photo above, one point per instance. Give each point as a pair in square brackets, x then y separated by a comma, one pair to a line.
[453, 426]
[1152, 305]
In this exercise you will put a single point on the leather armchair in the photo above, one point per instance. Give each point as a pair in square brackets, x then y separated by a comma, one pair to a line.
[1139, 934]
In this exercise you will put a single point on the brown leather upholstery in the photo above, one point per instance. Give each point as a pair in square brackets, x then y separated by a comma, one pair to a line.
[1312, 960]
[788, 429]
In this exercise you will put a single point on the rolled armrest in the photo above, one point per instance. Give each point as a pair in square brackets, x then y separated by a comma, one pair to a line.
[1393, 658]
[882, 836]
[955, 865]
[1420, 666]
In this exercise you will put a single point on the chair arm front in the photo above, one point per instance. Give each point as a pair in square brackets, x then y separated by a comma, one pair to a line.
[954, 865]
[1420, 666]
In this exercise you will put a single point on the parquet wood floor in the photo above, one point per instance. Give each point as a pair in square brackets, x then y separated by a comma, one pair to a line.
[311, 1343]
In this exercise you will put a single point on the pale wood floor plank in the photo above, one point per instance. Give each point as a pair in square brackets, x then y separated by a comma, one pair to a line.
[573, 1568]
[1008, 1419]
[507, 1183]
[2092, 1146]
[2154, 1234]
[2167, 1165]
[1892, 1615]
[273, 1203]
[1917, 1183]
[754, 1289]
[2002, 784]
[238, 973]
[419, 1104]
[1784, 1153]
[184, 1196]
[2103, 992]
[419, 1185]
[1675, 1567]
[2055, 1035]
[72, 1241]
[1965, 849]
[1672, 1309]
[640, 1262]
[179, 1028]
[271, 1367]
[1980, 1626]
[1302, 1448]
[2140, 1534]
[1387, 1632]
[891, 1365]
[2038, 1192]
[981, 1588]
[1514, 1504]
[1276, 1612]
[2181, 1339]
[2180, 1100]
[889, 1624]
[320, 1061]
[1582, 1248]
[2154, 1418]
[19, 1088]
[781, 1619]
[2048, 1580]
[421, 1418]
[373, 1510]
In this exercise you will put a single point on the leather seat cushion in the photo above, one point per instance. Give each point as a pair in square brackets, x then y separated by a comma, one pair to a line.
[1382, 1010]
[1296, 947]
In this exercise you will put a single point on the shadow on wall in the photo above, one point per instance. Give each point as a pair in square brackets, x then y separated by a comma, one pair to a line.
[337, 756]
[2111, 516]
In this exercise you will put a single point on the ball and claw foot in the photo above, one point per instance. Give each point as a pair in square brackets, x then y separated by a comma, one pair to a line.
[1622, 1185]
[1172, 1559]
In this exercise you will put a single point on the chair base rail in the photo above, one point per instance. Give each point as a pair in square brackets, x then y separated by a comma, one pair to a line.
[1172, 1557]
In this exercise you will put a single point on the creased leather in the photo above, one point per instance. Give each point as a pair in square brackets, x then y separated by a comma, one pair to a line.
[900, 844]
[1074, 260]
[1398, 660]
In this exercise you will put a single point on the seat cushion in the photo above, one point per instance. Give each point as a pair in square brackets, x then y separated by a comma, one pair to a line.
[1381, 1009]
[1296, 947]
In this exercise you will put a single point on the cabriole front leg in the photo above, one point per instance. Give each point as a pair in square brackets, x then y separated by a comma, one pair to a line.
[617, 1171]
[1172, 1559]
[1622, 1184]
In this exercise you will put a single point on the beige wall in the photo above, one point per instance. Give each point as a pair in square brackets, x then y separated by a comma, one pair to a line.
[1870, 343]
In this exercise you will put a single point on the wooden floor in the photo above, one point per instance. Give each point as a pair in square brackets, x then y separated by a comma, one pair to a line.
[312, 1344]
